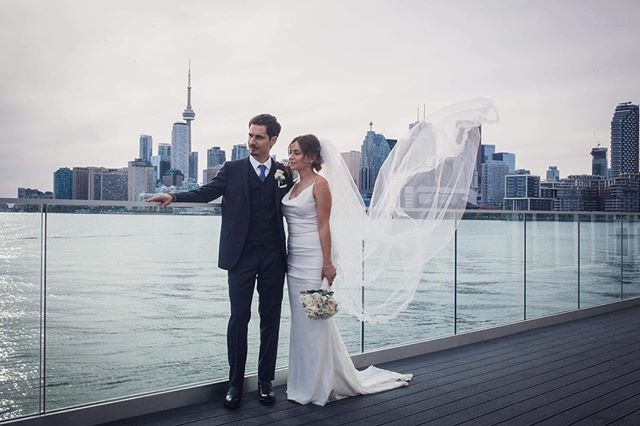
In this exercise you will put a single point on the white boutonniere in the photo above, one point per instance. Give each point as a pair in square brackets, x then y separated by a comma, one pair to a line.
[281, 177]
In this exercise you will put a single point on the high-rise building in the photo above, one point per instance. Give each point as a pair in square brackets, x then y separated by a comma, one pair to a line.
[352, 160]
[141, 179]
[624, 139]
[553, 174]
[162, 166]
[508, 158]
[80, 183]
[63, 184]
[374, 151]
[108, 184]
[239, 151]
[492, 178]
[599, 163]
[146, 148]
[188, 115]
[164, 151]
[580, 193]
[522, 192]
[180, 148]
[193, 166]
[215, 157]
[623, 193]
[173, 177]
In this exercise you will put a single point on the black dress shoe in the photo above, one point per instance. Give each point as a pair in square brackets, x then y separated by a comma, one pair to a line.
[232, 398]
[266, 395]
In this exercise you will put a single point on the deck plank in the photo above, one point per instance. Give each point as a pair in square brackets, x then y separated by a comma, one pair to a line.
[585, 371]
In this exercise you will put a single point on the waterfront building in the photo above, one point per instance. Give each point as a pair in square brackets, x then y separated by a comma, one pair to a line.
[146, 148]
[599, 163]
[108, 184]
[493, 183]
[508, 158]
[141, 179]
[34, 193]
[193, 166]
[522, 192]
[352, 160]
[624, 140]
[374, 151]
[215, 157]
[579, 193]
[63, 184]
[553, 174]
[623, 193]
[239, 151]
[80, 183]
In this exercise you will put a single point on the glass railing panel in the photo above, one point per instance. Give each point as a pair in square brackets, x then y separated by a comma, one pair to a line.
[20, 289]
[490, 269]
[430, 314]
[631, 256]
[600, 259]
[552, 263]
[135, 302]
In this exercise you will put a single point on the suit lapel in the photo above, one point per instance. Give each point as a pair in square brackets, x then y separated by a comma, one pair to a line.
[248, 169]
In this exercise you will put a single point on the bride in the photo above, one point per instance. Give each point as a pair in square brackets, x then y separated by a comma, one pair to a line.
[320, 369]
[420, 194]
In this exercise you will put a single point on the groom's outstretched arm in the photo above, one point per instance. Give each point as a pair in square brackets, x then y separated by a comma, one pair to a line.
[205, 193]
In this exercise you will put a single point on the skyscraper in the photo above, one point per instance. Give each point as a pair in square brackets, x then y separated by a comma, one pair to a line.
[215, 157]
[180, 148]
[599, 164]
[239, 151]
[141, 179]
[508, 158]
[80, 183]
[624, 139]
[553, 174]
[193, 166]
[63, 184]
[146, 148]
[374, 151]
[493, 182]
[164, 151]
[352, 160]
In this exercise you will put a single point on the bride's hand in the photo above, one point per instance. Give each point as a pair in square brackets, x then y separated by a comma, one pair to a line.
[329, 272]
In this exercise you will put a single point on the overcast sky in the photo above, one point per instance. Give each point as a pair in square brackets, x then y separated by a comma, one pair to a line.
[81, 80]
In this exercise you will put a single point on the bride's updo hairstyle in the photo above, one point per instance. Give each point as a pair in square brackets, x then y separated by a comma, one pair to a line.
[310, 147]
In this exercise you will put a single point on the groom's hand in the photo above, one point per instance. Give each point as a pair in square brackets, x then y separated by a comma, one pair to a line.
[163, 199]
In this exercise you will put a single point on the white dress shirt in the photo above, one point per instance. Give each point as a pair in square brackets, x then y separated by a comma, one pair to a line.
[255, 163]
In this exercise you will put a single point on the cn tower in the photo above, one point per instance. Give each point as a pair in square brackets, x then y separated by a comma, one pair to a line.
[188, 115]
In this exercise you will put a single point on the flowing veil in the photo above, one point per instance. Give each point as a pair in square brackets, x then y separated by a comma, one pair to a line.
[419, 195]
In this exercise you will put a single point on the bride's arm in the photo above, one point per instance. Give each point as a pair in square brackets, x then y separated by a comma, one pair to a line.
[322, 195]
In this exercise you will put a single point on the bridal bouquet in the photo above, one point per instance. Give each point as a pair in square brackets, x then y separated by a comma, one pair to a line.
[318, 304]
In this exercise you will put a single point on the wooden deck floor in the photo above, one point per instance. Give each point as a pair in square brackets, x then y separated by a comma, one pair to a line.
[584, 372]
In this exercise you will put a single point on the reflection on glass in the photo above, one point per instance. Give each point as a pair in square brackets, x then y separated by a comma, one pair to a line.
[599, 259]
[135, 304]
[429, 315]
[20, 250]
[552, 263]
[490, 270]
[631, 256]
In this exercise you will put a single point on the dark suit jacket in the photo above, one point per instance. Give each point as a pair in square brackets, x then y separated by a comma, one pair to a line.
[232, 182]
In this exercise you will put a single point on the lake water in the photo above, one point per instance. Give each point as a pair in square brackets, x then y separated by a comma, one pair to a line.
[136, 304]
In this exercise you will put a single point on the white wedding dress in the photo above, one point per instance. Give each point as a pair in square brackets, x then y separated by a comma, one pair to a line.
[320, 369]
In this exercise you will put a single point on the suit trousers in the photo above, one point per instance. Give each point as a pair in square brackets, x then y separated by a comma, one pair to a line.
[264, 264]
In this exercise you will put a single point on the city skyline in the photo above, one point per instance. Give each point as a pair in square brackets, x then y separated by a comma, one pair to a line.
[555, 72]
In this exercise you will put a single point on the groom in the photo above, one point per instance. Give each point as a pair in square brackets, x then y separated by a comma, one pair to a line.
[252, 249]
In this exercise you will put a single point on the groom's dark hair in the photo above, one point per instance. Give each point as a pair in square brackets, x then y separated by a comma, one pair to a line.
[269, 121]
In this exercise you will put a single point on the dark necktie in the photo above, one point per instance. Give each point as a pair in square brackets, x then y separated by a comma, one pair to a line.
[262, 174]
